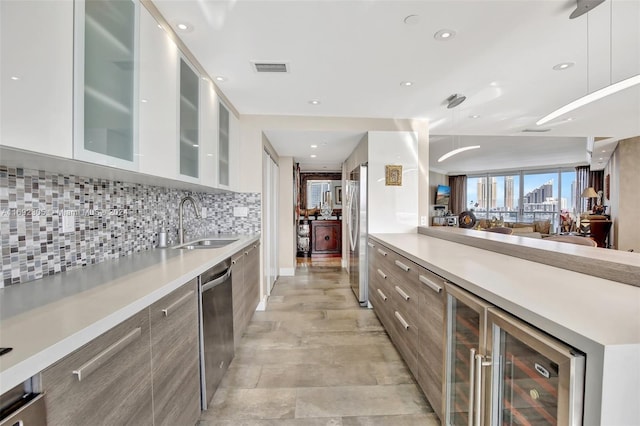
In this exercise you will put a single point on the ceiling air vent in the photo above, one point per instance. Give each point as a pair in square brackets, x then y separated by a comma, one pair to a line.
[271, 67]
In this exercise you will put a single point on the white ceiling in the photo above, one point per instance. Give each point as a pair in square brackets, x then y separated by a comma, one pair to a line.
[353, 55]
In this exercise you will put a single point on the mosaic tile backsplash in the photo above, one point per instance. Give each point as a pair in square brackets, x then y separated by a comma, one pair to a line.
[111, 219]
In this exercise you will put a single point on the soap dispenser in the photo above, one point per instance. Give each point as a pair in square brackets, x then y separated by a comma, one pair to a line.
[162, 236]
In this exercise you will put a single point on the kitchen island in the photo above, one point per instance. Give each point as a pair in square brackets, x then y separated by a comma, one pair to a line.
[599, 317]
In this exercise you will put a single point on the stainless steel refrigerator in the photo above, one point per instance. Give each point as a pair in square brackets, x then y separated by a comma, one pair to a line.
[502, 371]
[356, 218]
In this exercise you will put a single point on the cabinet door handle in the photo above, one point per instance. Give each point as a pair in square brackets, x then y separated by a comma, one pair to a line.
[382, 274]
[382, 295]
[382, 252]
[402, 266]
[401, 320]
[169, 309]
[401, 292]
[246, 253]
[432, 285]
[371, 244]
[103, 357]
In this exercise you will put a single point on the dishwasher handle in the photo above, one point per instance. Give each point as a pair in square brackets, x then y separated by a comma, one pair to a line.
[215, 282]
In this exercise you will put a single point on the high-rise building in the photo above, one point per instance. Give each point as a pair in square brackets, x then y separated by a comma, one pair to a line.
[509, 195]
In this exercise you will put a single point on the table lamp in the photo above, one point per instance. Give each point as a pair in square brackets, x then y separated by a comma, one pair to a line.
[589, 193]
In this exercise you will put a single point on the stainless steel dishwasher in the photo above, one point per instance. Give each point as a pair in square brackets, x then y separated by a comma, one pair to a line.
[216, 328]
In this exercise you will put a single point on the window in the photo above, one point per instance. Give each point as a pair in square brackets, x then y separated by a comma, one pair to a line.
[316, 190]
[523, 196]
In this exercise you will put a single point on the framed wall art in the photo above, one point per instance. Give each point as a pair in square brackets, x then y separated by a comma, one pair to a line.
[393, 175]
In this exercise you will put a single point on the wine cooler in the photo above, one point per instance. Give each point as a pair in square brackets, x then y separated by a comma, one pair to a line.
[502, 371]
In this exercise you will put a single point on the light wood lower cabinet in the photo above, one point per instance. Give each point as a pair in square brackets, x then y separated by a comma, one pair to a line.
[174, 357]
[105, 382]
[144, 371]
[245, 288]
[406, 299]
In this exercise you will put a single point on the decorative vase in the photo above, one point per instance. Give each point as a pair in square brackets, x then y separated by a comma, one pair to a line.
[325, 211]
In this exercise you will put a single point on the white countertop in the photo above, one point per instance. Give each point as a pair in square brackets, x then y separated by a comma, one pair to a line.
[47, 319]
[580, 309]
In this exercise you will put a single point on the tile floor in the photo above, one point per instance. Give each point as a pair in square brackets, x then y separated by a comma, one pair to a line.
[314, 357]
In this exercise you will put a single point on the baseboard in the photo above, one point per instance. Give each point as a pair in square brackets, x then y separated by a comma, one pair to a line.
[287, 272]
[262, 306]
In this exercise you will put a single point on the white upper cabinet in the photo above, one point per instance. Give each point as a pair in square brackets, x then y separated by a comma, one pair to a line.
[106, 82]
[158, 117]
[209, 135]
[36, 71]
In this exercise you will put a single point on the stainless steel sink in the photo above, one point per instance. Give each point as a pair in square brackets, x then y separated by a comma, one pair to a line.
[206, 244]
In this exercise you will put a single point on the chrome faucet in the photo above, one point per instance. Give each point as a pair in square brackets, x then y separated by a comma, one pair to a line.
[181, 215]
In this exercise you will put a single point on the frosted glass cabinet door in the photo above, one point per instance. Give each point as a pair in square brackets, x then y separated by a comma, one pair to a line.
[223, 146]
[106, 76]
[189, 107]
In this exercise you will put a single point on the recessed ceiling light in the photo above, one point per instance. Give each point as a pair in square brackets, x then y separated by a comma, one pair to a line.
[144, 101]
[474, 116]
[209, 155]
[563, 66]
[314, 146]
[412, 20]
[221, 78]
[195, 145]
[313, 156]
[314, 102]
[493, 84]
[159, 26]
[406, 83]
[444, 34]
[570, 119]
[604, 150]
[184, 27]
[15, 78]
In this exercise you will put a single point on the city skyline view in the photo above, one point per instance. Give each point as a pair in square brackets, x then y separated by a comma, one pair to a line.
[537, 189]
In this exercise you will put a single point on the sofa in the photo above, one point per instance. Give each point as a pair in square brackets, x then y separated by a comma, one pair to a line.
[536, 229]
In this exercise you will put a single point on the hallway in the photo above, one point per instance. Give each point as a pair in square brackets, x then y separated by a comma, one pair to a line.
[314, 357]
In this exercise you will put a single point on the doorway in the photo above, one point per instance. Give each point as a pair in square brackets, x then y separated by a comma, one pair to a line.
[318, 217]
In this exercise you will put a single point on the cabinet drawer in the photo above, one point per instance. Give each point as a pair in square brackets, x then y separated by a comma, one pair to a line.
[105, 382]
[174, 360]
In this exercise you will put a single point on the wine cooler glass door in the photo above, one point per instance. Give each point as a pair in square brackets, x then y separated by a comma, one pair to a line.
[466, 319]
[536, 379]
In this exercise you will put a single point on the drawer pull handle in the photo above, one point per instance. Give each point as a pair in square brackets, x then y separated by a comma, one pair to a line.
[402, 321]
[103, 357]
[172, 307]
[401, 292]
[371, 244]
[402, 266]
[382, 295]
[432, 285]
[246, 253]
[382, 274]
[382, 252]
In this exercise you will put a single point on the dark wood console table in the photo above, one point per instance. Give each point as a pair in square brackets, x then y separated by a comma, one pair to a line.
[326, 238]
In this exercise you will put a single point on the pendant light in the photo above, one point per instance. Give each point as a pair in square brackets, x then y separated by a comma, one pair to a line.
[598, 94]
[452, 102]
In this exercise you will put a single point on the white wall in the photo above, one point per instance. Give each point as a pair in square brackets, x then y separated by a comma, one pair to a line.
[393, 208]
